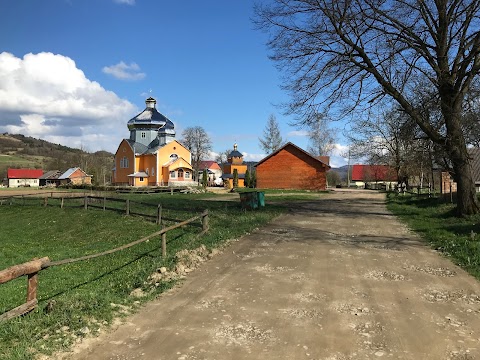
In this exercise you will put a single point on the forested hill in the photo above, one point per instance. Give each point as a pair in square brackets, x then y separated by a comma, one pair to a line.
[19, 151]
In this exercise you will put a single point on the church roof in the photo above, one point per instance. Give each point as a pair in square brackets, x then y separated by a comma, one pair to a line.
[150, 117]
[235, 152]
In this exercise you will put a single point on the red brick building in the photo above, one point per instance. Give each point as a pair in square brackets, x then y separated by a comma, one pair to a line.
[291, 167]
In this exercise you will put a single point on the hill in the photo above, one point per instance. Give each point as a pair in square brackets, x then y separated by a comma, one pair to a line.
[20, 151]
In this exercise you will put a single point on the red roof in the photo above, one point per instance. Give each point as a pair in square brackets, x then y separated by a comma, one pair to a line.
[209, 164]
[373, 173]
[24, 173]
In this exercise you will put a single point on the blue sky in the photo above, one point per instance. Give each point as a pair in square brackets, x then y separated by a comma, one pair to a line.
[75, 71]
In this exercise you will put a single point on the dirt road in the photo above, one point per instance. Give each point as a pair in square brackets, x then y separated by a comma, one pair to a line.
[337, 278]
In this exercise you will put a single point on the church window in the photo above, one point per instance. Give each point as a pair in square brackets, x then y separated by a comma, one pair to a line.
[144, 135]
[187, 174]
[173, 157]
[153, 171]
[141, 179]
[146, 171]
[124, 162]
[172, 174]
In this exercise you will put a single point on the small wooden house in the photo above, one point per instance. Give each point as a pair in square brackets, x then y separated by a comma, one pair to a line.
[291, 167]
[50, 178]
[75, 176]
[23, 177]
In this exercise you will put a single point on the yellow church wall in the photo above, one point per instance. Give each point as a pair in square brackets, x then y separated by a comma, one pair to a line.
[228, 168]
[173, 147]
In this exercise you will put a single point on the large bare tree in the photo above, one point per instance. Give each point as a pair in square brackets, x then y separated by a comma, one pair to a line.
[356, 52]
[198, 142]
[272, 139]
[321, 138]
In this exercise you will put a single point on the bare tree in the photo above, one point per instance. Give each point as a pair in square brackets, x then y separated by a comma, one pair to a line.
[321, 137]
[222, 157]
[356, 52]
[198, 142]
[272, 140]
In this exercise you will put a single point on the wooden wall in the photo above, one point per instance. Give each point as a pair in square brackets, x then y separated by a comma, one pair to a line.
[291, 169]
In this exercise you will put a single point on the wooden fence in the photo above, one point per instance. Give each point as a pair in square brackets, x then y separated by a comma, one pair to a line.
[88, 201]
[32, 268]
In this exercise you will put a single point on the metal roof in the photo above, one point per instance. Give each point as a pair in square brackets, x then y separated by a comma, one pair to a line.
[24, 173]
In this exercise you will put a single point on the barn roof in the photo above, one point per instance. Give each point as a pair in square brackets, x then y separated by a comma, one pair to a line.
[69, 172]
[373, 173]
[209, 164]
[24, 173]
[289, 144]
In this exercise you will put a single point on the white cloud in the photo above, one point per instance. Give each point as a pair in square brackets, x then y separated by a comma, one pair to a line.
[252, 157]
[301, 133]
[124, 71]
[127, 2]
[46, 96]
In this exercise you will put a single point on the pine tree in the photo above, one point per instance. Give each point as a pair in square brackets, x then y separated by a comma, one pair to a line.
[272, 140]
[204, 178]
[235, 178]
[247, 179]
[253, 179]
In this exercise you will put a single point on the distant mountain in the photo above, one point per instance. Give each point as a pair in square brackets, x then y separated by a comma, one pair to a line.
[20, 151]
[342, 171]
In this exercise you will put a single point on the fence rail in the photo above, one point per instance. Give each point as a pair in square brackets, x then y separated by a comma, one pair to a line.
[32, 268]
[91, 201]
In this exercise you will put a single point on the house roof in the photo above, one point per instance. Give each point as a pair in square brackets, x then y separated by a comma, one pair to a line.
[139, 174]
[52, 174]
[209, 164]
[373, 173]
[230, 176]
[67, 174]
[475, 157]
[24, 173]
[289, 144]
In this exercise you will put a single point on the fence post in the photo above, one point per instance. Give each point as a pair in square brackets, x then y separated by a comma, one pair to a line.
[45, 201]
[61, 203]
[159, 214]
[164, 244]
[23, 200]
[205, 220]
[104, 202]
[32, 286]
[85, 203]
[127, 211]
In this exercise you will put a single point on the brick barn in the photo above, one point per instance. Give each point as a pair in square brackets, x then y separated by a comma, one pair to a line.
[291, 167]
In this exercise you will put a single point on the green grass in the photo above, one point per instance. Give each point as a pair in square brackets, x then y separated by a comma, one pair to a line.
[26, 160]
[83, 292]
[436, 222]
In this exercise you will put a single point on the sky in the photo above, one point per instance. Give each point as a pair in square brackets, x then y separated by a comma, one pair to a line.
[74, 72]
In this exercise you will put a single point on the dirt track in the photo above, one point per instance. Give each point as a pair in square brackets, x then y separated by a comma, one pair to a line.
[337, 278]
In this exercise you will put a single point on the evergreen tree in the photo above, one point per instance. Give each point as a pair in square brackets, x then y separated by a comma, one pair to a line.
[272, 140]
[253, 179]
[204, 178]
[247, 179]
[235, 178]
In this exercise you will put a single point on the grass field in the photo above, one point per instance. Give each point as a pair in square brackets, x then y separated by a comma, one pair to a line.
[90, 294]
[435, 221]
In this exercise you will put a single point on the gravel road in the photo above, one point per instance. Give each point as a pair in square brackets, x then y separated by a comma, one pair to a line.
[338, 278]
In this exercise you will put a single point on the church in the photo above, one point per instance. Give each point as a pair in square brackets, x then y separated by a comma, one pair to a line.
[151, 156]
